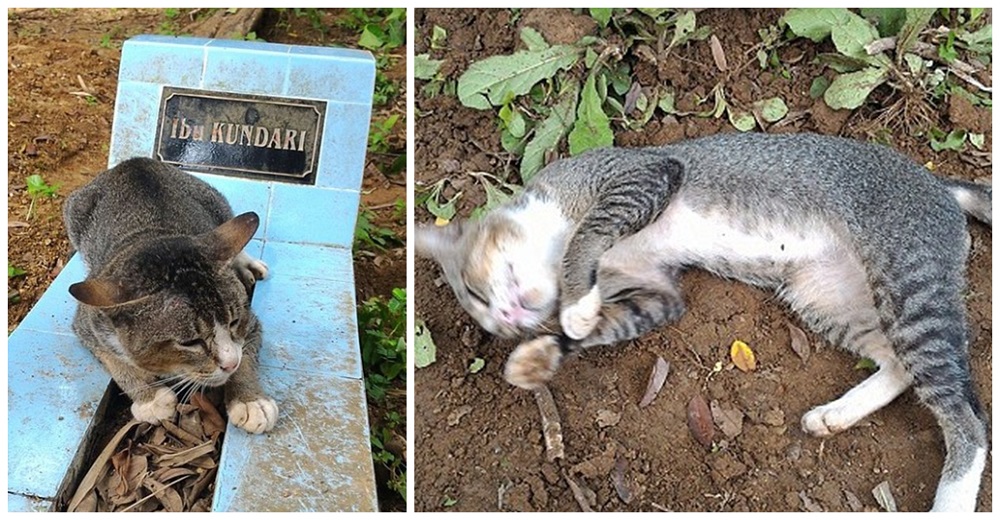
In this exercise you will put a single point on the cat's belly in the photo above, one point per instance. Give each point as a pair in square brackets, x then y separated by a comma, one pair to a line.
[754, 249]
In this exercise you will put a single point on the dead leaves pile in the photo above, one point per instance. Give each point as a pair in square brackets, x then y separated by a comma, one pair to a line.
[169, 467]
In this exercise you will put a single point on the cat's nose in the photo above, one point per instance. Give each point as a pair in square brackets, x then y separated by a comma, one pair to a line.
[229, 366]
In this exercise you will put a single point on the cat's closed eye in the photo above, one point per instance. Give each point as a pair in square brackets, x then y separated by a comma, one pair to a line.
[235, 323]
[196, 343]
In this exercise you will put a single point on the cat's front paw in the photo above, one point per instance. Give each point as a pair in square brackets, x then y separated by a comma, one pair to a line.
[162, 407]
[533, 363]
[580, 319]
[258, 268]
[257, 416]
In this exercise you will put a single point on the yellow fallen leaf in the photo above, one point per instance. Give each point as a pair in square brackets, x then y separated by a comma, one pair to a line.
[929, 165]
[743, 357]
[440, 222]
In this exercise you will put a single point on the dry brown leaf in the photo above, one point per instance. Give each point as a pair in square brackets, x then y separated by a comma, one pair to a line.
[164, 493]
[158, 437]
[883, 495]
[166, 474]
[700, 421]
[204, 462]
[181, 435]
[656, 379]
[88, 481]
[211, 420]
[729, 419]
[183, 457]
[742, 356]
[618, 478]
[799, 342]
[199, 485]
[191, 423]
[88, 504]
[582, 494]
[718, 54]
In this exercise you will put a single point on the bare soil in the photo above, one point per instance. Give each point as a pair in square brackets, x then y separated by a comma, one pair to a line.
[478, 441]
[62, 74]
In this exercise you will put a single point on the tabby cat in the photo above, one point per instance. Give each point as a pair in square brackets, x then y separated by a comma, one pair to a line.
[165, 306]
[866, 246]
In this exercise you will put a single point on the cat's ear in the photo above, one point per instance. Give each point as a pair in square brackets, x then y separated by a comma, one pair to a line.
[100, 293]
[437, 242]
[227, 240]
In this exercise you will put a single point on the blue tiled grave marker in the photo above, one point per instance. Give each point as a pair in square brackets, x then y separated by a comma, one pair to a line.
[299, 115]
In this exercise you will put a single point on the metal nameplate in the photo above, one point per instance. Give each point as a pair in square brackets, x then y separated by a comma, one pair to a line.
[240, 135]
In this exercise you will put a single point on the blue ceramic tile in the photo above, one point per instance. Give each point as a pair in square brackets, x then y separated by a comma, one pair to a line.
[329, 77]
[54, 311]
[22, 503]
[309, 324]
[311, 215]
[254, 46]
[317, 458]
[310, 261]
[175, 61]
[231, 69]
[54, 385]
[243, 195]
[134, 131]
[345, 139]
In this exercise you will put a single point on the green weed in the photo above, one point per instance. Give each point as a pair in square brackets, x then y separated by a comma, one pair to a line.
[38, 188]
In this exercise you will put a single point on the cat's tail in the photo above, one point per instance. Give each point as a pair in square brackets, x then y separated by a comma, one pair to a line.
[975, 199]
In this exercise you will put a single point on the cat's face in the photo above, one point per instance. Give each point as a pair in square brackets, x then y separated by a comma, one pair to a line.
[507, 283]
[177, 309]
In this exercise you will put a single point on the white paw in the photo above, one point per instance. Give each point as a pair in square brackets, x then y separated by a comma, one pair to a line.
[161, 408]
[826, 420]
[578, 320]
[533, 363]
[258, 268]
[257, 416]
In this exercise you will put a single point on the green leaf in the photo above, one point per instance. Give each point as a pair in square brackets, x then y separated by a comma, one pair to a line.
[602, 15]
[865, 364]
[977, 140]
[424, 349]
[979, 42]
[448, 501]
[372, 37]
[490, 81]
[742, 121]
[550, 131]
[946, 49]
[666, 103]
[684, 26]
[425, 68]
[850, 90]
[815, 24]
[438, 37]
[888, 20]
[13, 272]
[592, 128]
[954, 140]
[533, 39]
[477, 365]
[590, 58]
[916, 20]
[851, 36]
[771, 110]
[818, 87]
[38, 187]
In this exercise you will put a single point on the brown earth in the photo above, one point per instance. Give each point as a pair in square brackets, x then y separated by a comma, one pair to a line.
[478, 441]
[58, 56]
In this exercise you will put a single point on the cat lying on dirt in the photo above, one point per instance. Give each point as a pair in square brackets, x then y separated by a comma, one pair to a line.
[866, 246]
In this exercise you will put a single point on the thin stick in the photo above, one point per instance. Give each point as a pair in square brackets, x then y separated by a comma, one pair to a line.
[551, 427]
